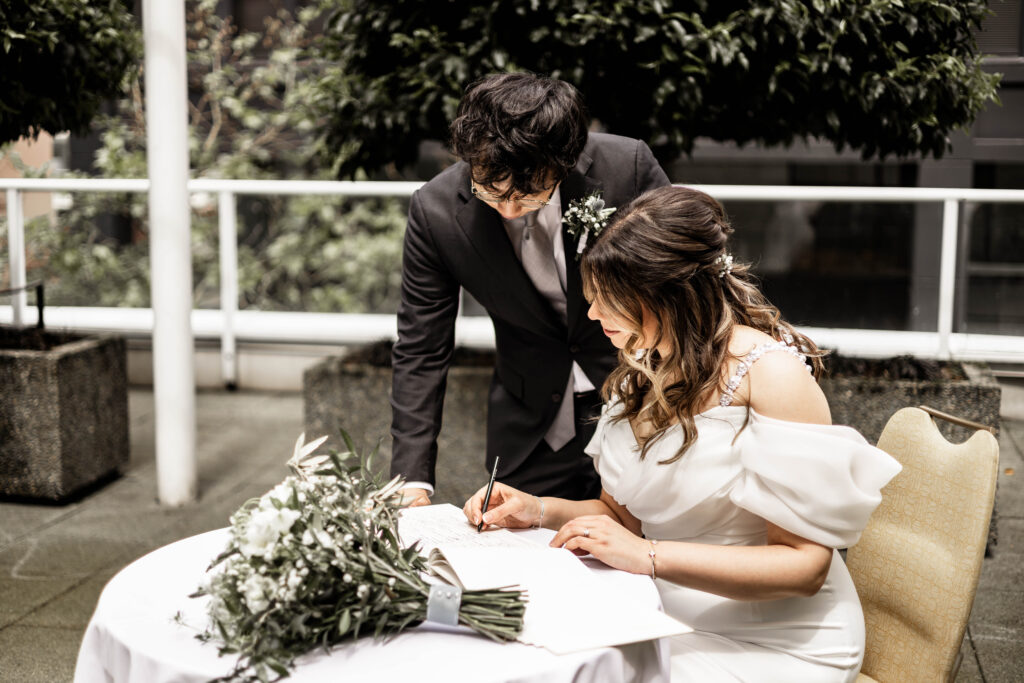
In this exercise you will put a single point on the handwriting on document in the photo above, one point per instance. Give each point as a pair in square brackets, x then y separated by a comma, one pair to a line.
[434, 525]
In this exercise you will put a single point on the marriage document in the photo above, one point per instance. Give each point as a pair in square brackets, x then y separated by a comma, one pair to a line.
[570, 607]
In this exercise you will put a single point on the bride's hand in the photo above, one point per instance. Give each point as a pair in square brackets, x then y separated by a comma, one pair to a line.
[607, 540]
[508, 507]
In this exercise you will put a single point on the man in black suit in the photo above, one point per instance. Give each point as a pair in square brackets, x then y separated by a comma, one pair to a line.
[492, 224]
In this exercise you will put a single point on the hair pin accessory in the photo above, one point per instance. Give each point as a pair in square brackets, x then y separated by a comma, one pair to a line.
[724, 263]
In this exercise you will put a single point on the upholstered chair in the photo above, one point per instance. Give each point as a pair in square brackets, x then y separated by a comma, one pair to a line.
[917, 564]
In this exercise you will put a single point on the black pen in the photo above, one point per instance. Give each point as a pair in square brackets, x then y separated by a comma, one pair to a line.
[487, 496]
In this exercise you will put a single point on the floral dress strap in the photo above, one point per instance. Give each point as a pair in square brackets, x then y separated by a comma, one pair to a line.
[748, 361]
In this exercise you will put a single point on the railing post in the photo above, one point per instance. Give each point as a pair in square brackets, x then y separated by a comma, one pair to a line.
[16, 246]
[947, 273]
[227, 225]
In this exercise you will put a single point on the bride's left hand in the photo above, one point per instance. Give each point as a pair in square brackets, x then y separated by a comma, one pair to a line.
[607, 540]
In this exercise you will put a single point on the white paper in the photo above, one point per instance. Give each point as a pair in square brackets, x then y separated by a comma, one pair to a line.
[569, 607]
[482, 567]
[568, 616]
[433, 525]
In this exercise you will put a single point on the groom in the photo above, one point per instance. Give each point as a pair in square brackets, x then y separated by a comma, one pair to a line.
[491, 224]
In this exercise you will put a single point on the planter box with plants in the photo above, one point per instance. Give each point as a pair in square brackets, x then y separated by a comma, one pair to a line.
[352, 392]
[864, 393]
[63, 413]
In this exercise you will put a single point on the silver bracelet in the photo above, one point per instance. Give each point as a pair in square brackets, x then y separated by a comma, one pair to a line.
[654, 542]
[540, 520]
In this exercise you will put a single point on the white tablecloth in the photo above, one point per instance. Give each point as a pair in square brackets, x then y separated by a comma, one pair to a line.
[133, 638]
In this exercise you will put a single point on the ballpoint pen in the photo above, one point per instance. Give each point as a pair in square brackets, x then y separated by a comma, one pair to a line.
[487, 496]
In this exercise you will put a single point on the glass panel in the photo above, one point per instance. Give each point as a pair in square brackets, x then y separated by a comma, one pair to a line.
[994, 268]
[319, 254]
[93, 251]
[835, 264]
[306, 253]
[838, 264]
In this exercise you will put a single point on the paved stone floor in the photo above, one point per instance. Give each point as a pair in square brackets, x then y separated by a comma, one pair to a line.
[55, 560]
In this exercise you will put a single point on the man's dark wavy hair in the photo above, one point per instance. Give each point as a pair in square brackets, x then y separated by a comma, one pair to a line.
[520, 126]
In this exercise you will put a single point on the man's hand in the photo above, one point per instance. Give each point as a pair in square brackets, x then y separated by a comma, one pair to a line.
[414, 497]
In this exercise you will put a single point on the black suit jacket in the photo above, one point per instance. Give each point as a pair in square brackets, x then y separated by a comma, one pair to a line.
[453, 240]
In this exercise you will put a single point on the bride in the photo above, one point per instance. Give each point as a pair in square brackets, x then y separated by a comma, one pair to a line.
[722, 477]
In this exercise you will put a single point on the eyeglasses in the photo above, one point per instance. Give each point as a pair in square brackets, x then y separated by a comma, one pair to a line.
[489, 198]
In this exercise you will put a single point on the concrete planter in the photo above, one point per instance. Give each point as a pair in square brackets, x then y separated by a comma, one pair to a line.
[63, 413]
[352, 392]
[867, 400]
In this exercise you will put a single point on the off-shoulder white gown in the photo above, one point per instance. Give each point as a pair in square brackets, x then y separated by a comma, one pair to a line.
[819, 482]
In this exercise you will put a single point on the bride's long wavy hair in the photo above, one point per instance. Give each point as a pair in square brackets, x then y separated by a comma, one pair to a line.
[661, 254]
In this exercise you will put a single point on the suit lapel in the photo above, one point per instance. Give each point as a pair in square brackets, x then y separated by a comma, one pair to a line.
[576, 186]
[483, 227]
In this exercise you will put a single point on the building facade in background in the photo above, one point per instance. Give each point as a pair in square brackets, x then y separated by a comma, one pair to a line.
[876, 266]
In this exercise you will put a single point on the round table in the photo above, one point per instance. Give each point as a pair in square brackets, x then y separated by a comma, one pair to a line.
[133, 637]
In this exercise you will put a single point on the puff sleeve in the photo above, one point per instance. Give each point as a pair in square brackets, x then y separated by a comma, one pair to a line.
[820, 482]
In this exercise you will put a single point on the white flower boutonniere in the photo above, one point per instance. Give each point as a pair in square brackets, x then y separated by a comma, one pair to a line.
[586, 217]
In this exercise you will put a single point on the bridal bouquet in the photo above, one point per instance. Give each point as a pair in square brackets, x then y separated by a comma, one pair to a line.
[318, 560]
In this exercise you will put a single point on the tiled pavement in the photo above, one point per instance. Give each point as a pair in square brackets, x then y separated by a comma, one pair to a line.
[55, 560]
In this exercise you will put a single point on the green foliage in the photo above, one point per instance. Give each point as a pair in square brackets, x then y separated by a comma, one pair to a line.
[60, 60]
[883, 77]
[247, 120]
[326, 255]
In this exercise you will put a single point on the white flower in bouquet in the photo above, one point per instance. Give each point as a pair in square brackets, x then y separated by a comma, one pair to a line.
[283, 491]
[317, 560]
[264, 529]
[258, 591]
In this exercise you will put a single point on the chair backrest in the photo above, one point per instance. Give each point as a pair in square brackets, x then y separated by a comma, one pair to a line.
[917, 564]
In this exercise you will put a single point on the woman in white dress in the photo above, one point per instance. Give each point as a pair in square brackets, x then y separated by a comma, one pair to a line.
[722, 476]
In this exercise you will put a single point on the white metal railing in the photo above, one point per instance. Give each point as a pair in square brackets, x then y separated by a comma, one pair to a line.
[229, 324]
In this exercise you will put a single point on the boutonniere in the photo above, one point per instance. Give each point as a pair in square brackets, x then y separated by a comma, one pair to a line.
[586, 217]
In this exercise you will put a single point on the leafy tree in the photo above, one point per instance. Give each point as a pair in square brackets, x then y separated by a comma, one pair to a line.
[247, 120]
[884, 77]
[60, 60]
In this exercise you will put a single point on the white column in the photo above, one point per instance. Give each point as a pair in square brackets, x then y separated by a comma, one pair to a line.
[16, 247]
[170, 247]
